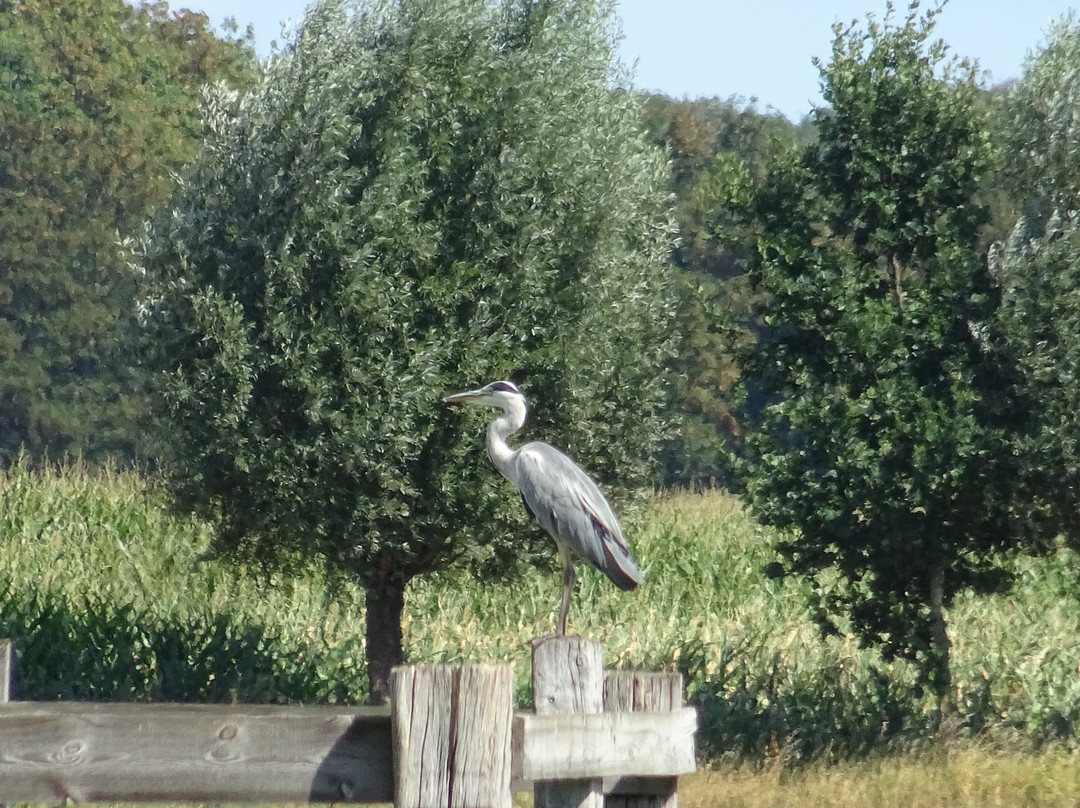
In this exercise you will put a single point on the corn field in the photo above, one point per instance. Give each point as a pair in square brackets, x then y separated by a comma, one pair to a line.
[110, 596]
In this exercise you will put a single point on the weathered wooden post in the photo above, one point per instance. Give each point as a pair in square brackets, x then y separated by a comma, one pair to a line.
[638, 745]
[451, 730]
[649, 692]
[567, 677]
[7, 662]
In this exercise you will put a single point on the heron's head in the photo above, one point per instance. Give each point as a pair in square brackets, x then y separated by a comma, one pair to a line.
[496, 394]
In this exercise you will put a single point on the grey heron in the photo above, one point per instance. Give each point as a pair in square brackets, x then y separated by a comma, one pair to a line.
[557, 493]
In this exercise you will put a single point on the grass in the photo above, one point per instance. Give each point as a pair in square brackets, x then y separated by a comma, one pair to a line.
[110, 597]
[966, 778]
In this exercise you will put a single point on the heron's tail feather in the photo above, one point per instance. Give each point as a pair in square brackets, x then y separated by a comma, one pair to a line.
[621, 569]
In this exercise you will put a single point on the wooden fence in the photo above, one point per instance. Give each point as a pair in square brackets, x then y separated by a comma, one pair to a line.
[450, 739]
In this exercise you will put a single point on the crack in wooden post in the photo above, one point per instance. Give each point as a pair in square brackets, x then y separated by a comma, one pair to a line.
[451, 734]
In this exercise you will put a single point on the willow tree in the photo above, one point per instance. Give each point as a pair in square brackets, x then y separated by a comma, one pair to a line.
[881, 439]
[421, 196]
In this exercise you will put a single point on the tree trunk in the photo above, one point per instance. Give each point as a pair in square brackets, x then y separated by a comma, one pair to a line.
[385, 600]
[939, 637]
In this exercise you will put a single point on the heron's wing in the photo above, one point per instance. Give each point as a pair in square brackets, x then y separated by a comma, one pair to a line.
[571, 507]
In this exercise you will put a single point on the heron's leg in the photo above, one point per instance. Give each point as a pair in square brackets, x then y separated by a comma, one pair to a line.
[568, 578]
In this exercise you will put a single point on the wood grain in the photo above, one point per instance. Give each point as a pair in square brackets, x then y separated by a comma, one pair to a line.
[451, 734]
[201, 753]
[568, 681]
[567, 675]
[644, 691]
[604, 745]
[482, 729]
[7, 669]
[449, 738]
[421, 734]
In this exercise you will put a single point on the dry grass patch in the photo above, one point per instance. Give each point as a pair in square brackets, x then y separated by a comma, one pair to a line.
[969, 778]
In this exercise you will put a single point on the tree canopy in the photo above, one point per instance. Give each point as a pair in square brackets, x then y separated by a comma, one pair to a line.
[95, 112]
[881, 435]
[1038, 270]
[720, 151]
[420, 196]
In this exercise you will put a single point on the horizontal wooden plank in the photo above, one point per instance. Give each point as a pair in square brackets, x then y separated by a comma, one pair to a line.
[94, 752]
[556, 747]
[54, 752]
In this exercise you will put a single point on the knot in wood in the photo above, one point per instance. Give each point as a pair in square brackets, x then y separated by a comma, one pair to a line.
[70, 753]
[227, 732]
[223, 751]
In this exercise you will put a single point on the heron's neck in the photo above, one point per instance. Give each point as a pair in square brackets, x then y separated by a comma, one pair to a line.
[499, 430]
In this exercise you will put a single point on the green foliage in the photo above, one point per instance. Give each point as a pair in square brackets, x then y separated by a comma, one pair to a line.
[1041, 137]
[881, 442]
[108, 595]
[419, 196]
[194, 54]
[720, 152]
[1038, 270]
[95, 111]
[94, 650]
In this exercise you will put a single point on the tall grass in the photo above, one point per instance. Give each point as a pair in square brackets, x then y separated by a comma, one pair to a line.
[109, 596]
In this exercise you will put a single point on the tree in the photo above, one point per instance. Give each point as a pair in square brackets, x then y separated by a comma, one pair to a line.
[720, 151]
[194, 55]
[881, 439]
[1038, 269]
[420, 196]
[92, 120]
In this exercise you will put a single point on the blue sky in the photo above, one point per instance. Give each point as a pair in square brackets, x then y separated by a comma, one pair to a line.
[757, 49]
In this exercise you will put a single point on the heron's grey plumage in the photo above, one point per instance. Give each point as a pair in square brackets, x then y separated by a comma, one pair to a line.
[569, 506]
[555, 490]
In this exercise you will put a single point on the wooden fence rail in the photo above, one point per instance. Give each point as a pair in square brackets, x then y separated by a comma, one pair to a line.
[450, 739]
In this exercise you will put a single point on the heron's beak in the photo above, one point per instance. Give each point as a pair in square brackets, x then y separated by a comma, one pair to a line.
[461, 398]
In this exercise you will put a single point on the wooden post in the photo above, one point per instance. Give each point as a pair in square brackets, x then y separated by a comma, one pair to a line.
[6, 663]
[567, 677]
[641, 691]
[451, 734]
[6, 670]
